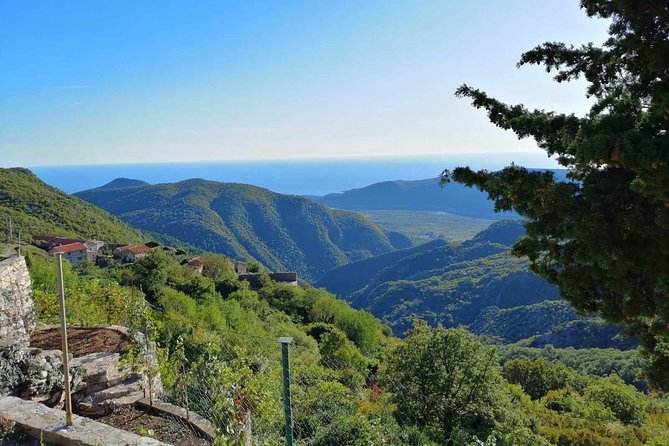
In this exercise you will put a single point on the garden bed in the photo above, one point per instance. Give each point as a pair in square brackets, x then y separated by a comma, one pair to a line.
[164, 428]
[82, 340]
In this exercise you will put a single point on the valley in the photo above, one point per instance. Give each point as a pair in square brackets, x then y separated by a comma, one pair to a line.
[376, 273]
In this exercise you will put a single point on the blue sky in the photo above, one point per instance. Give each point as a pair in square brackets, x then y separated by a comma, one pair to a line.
[145, 81]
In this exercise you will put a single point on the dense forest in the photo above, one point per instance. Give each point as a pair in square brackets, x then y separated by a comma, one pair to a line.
[477, 284]
[37, 208]
[416, 195]
[353, 383]
[283, 232]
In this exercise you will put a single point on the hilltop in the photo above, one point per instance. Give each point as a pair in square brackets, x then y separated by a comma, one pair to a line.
[35, 207]
[120, 183]
[284, 232]
[420, 195]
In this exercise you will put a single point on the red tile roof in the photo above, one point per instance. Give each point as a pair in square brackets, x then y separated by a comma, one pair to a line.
[46, 238]
[70, 248]
[57, 240]
[67, 241]
[136, 249]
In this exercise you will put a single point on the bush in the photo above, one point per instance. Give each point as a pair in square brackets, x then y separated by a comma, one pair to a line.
[622, 399]
[447, 382]
[537, 377]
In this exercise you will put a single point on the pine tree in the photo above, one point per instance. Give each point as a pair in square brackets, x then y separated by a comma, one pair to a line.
[603, 235]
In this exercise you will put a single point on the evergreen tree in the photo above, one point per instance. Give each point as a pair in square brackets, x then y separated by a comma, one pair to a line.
[603, 235]
[447, 383]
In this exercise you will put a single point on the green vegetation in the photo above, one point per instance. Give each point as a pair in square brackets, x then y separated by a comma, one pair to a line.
[590, 361]
[602, 236]
[423, 226]
[476, 284]
[36, 208]
[419, 195]
[352, 383]
[449, 384]
[522, 322]
[283, 232]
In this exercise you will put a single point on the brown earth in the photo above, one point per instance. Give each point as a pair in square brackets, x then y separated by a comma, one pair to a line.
[165, 428]
[82, 340]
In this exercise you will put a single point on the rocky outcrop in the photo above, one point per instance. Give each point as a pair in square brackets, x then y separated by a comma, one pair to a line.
[17, 311]
[33, 374]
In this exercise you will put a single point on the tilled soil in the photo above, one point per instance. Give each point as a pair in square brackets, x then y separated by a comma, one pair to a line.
[167, 429]
[82, 340]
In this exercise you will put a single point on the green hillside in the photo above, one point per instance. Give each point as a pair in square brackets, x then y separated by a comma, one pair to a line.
[477, 284]
[418, 195]
[283, 232]
[37, 208]
[352, 383]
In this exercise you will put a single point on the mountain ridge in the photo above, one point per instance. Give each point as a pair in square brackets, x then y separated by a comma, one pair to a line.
[477, 284]
[421, 195]
[36, 207]
[247, 222]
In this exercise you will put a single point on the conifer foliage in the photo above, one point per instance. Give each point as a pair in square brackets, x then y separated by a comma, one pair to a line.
[603, 235]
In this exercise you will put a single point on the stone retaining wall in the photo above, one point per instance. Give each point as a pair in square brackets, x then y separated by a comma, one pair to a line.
[48, 424]
[17, 311]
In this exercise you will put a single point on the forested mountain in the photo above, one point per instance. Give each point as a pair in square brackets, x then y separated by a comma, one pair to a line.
[119, 183]
[283, 232]
[419, 195]
[353, 383]
[37, 208]
[476, 283]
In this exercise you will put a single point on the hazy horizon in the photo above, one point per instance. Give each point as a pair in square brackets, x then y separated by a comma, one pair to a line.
[301, 177]
[129, 82]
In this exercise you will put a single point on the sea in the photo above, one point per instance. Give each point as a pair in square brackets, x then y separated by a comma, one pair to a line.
[301, 177]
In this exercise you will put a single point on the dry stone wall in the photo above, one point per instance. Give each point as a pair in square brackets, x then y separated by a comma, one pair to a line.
[99, 380]
[17, 312]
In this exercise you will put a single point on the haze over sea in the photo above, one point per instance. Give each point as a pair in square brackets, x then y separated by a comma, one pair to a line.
[303, 177]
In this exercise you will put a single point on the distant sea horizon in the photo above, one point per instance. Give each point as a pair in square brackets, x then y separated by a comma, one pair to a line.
[298, 177]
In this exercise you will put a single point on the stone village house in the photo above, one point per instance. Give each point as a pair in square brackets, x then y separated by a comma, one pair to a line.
[131, 253]
[74, 252]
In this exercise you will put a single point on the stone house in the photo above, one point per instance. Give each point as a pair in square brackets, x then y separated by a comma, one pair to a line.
[131, 253]
[239, 267]
[94, 245]
[74, 252]
[48, 242]
[196, 264]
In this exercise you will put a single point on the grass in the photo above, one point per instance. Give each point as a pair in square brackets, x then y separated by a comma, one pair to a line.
[10, 249]
[422, 226]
